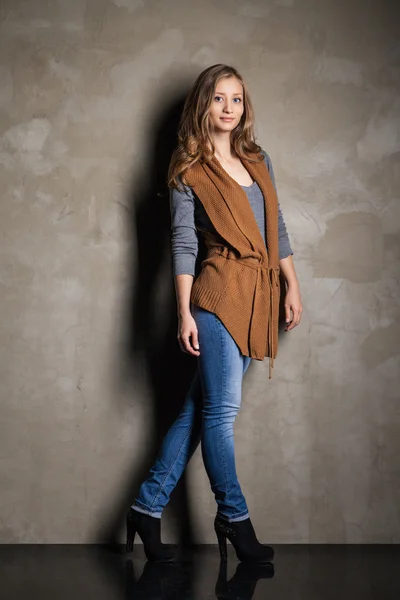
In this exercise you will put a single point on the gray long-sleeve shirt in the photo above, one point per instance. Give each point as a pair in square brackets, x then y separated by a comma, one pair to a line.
[188, 216]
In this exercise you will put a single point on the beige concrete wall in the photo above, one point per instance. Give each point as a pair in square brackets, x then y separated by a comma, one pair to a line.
[84, 88]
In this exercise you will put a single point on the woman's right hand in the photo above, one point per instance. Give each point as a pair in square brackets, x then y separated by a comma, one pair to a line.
[187, 335]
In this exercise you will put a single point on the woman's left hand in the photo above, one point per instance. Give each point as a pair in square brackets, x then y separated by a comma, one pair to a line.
[293, 303]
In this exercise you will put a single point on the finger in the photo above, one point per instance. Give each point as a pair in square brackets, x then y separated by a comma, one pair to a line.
[296, 319]
[185, 342]
[287, 314]
[195, 340]
[181, 341]
[292, 324]
[188, 346]
[181, 345]
[299, 312]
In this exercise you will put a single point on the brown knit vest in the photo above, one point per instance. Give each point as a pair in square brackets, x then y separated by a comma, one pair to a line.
[239, 279]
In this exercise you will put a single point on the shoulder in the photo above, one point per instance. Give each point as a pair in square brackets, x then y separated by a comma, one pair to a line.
[267, 159]
[183, 192]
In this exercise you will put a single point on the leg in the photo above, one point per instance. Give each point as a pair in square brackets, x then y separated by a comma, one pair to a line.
[176, 450]
[221, 369]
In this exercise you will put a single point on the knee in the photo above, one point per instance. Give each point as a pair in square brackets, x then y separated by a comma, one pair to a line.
[224, 409]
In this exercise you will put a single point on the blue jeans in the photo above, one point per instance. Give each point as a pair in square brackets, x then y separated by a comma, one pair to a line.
[207, 415]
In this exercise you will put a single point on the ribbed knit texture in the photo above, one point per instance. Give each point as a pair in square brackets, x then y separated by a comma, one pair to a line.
[239, 279]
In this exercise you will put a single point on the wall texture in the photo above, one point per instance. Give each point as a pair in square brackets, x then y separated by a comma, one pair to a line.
[87, 385]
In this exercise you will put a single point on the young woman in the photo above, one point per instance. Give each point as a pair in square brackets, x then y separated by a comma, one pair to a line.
[221, 187]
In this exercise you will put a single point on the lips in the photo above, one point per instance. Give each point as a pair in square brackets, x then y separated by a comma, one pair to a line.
[226, 118]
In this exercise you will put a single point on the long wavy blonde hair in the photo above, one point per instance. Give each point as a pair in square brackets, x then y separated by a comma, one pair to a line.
[194, 139]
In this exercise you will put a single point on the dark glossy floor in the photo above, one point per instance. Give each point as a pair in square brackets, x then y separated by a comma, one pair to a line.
[310, 572]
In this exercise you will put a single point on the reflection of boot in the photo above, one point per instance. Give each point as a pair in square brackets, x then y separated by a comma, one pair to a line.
[149, 530]
[150, 584]
[179, 585]
[243, 538]
[243, 584]
[221, 585]
[130, 581]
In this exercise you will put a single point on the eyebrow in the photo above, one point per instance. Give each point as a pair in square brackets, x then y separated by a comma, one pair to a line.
[223, 93]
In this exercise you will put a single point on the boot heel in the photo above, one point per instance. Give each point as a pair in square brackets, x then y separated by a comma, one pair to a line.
[243, 538]
[130, 535]
[223, 551]
[148, 529]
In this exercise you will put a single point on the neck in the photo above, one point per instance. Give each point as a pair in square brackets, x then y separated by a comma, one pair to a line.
[222, 145]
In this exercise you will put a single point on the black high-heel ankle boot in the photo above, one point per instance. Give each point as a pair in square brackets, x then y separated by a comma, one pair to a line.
[243, 538]
[149, 530]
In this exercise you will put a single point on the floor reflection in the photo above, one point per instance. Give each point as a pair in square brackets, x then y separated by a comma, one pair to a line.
[299, 571]
[244, 581]
[177, 581]
[160, 581]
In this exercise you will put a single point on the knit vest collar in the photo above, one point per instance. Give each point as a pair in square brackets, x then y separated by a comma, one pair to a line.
[229, 209]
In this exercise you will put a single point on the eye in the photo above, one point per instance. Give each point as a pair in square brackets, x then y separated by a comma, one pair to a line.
[216, 98]
[238, 99]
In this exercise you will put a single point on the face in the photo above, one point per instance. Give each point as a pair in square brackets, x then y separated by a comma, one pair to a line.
[226, 106]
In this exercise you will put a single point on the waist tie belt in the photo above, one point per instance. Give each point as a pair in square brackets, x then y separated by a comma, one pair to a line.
[257, 321]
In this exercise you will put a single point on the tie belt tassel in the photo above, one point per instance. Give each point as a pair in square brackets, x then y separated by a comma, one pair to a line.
[273, 280]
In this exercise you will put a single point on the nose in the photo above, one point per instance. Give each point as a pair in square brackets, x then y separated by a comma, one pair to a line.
[228, 107]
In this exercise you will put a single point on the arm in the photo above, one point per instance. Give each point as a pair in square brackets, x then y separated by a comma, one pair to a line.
[184, 247]
[292, 299]
[285, 248]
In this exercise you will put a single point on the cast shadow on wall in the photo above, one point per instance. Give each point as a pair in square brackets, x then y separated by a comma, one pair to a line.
[148, 332]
